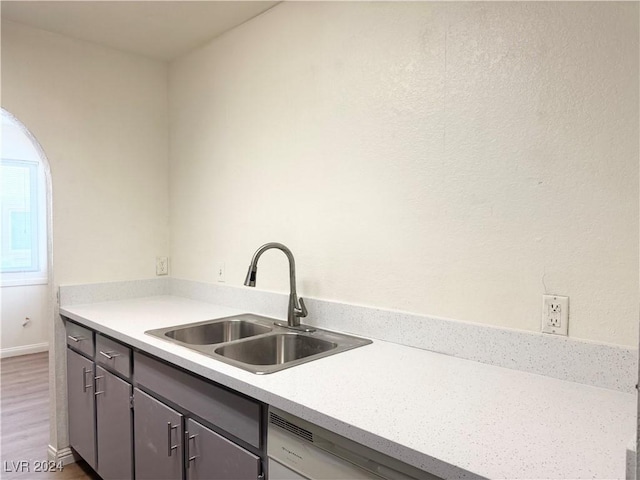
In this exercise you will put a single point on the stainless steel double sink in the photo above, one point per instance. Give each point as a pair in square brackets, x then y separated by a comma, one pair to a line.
[255, 343]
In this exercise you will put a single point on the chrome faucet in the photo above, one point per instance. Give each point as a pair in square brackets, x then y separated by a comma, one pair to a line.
[296, 308]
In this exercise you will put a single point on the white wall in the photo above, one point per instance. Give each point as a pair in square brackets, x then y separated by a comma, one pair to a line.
[16, 304]
[438, 158]
[101, 119]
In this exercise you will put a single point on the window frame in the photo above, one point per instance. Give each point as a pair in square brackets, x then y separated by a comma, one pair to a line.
[37, 272]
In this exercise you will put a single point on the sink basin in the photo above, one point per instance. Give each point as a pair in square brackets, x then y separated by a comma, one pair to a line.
[218, 332]
[275, 349]
[213, 331]
[255, 343]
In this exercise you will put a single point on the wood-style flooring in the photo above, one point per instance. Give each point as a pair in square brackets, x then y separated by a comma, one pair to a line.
[24, 422]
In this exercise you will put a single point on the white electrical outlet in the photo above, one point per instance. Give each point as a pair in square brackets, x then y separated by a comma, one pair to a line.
[555, 314]
[220, 272]
[162, 265]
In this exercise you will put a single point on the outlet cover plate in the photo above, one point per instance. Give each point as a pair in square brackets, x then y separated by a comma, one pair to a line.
[162, 266]
[555, 314]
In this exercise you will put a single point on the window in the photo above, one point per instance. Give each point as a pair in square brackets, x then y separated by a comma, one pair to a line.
[23, 239]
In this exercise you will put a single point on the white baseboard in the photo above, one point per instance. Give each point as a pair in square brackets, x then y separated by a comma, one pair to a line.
[24, 350]
[64, 455]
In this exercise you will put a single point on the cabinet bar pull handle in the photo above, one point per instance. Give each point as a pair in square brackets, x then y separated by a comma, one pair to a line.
[187, 439]
[96, 378]
[170, 447]
[84, 379]
[110, 355]
[186, 445]
[76, 338]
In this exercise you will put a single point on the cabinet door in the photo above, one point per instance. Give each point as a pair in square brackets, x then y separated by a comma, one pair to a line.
[213, 457]
[113, 412]
[82, 423]
[158, 439]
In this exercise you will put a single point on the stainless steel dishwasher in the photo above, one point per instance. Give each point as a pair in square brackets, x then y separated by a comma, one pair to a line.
[299, 450]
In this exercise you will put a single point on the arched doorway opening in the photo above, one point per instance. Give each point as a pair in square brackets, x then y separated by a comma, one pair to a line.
[26, 260]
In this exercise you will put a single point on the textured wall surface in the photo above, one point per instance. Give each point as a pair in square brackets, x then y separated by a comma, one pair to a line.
[101, 119]
[451, 159]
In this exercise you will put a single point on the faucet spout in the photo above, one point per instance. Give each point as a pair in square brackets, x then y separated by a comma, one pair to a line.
[296, 308]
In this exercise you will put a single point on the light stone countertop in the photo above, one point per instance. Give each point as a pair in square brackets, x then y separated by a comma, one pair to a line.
[452, 417]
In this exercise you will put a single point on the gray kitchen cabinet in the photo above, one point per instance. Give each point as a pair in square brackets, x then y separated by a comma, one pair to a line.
[209, 454]
[100, 418]
[132, 416]
[212, 457]
[158, 439]
[80, 394]
[231, 412]
[114, 426]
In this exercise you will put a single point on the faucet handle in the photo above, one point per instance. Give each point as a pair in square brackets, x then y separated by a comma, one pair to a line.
[302, 311]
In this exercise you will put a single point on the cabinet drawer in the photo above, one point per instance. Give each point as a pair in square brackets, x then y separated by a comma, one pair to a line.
[233, 413]
[113, 355]
[80, 338]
